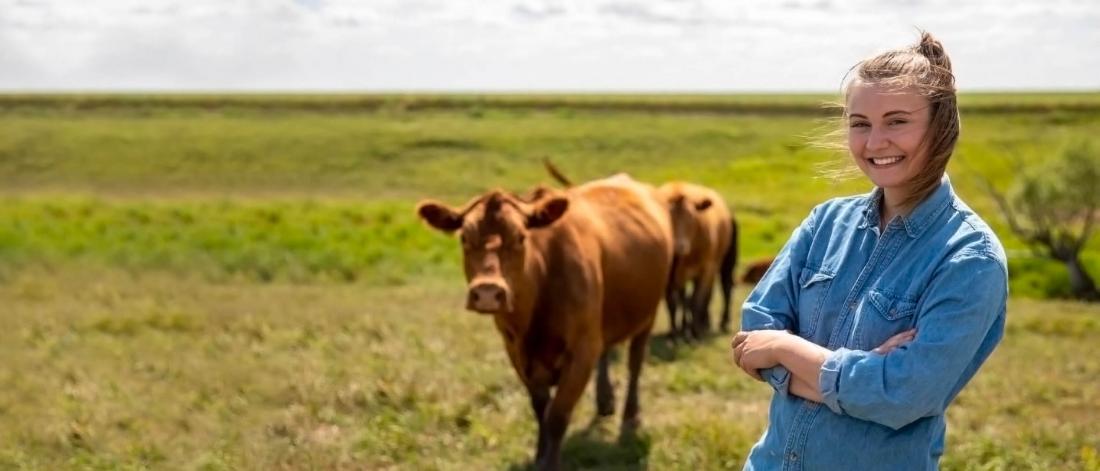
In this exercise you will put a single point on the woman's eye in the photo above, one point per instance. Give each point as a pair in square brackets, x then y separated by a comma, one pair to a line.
[897, 122]
[859, 125]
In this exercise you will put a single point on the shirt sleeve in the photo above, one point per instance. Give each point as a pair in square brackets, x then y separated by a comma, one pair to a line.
[962, 315]
[771, 304]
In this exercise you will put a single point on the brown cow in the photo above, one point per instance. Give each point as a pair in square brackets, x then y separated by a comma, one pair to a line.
[706, 243]
[756, 270]
[706, 248]
[565, 277]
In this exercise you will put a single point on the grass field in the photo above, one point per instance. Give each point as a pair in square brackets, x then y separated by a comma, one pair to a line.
[205, 282]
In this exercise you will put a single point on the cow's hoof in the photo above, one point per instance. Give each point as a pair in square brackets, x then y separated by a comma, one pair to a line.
[630, 426]
[605, 410]
[548, 464]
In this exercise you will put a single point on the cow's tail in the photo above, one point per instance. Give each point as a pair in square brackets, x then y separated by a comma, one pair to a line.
[729, 262]
[554, 172]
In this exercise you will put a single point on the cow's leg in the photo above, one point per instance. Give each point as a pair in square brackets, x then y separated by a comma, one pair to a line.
[574, 377]
[726, 282]
[672, 302]
[540, 397]
[637, 356]
[725, 273]
[702, 288]
[674, 298]
[691, 311]
[605, 393]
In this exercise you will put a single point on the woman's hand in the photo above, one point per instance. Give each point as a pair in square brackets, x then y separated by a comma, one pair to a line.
[896, 341]
[756, 350]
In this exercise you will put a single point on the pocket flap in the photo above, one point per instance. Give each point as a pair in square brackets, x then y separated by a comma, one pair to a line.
[891, 306]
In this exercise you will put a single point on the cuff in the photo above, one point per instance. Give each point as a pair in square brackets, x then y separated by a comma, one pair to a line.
[829, 384]
[779, 377]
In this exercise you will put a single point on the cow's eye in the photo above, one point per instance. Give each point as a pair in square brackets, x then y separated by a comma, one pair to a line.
[520, 239]
[462, 239]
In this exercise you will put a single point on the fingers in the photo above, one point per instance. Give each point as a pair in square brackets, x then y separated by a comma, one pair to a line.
[738, 352]
[737, 345]
[896, 341]
[752, 372]
[740, 344]
[739, 339]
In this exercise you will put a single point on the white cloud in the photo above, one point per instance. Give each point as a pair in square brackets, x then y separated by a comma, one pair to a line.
[530, 44]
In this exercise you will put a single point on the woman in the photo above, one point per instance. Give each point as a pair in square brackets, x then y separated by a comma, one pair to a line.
[880, 307]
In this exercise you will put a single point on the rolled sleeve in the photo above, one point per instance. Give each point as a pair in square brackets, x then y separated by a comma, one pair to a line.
[830, 374]
[778, 377]
[771, 304]
[962, 321]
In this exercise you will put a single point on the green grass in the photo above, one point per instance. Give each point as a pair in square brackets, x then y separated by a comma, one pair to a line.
[292, 240]
[305, 168]
[212, 282]
[111, 370]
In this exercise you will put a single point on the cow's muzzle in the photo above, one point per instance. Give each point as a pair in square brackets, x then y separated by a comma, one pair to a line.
[489, 297]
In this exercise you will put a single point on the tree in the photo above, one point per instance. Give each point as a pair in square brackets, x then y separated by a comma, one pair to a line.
[1053, 208]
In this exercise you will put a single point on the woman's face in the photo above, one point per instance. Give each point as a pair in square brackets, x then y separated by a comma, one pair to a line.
[885, 129]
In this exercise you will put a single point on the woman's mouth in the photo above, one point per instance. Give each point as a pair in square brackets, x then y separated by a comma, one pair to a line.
[885, 161]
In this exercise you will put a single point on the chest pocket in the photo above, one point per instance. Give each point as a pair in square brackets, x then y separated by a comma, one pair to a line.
[814, 287]
[884, 315]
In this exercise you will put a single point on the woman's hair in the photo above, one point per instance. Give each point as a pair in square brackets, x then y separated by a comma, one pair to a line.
[926, 69]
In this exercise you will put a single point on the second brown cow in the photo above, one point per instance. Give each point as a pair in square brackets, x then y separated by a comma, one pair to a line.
[705, 236]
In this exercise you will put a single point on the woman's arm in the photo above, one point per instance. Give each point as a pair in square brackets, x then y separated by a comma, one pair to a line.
[753, 351]
[963, 317]
[800, 356]
[805, 390]
[773, 302]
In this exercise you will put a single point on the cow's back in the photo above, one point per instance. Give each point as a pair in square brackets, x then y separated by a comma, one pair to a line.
[634, 236]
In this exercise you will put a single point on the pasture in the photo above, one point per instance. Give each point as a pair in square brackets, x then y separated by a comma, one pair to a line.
[207, 282]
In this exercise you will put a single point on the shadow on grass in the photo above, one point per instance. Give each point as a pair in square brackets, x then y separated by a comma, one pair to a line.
[596, 447]
[665, 348]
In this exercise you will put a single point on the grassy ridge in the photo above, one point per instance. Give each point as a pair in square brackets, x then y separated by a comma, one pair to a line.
[376, 242]
[764, 104]
[293, 241]
[220, 165]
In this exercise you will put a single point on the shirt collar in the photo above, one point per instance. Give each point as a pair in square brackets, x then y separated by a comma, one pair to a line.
[920, 218]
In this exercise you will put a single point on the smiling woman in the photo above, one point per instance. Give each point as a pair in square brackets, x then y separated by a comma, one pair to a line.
[880, 307]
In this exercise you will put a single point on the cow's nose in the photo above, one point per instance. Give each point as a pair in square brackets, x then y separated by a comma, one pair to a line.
[487, 297]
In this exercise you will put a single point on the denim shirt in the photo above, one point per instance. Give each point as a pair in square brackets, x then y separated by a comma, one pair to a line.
[841, 284]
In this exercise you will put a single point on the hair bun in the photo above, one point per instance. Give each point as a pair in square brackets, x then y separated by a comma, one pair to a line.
[932, 49]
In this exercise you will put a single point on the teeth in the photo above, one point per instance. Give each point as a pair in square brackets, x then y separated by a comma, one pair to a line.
[886, 160]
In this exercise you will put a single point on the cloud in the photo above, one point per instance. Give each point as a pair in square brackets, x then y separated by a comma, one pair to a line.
[538, 11]
[706, 45]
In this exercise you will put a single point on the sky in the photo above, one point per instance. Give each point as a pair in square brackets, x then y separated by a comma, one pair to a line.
[531, 45]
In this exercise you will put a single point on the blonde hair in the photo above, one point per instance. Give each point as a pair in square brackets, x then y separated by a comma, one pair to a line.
[925, 68]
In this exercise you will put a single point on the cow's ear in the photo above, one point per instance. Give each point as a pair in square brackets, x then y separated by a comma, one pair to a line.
[703, 205]
[439, 216]
[547, 211]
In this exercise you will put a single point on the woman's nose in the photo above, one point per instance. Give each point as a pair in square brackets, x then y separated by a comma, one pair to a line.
[877, 140]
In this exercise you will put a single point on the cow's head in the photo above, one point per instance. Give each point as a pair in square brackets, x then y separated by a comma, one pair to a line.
[494, 229]
[684, 212]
